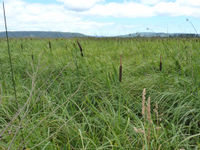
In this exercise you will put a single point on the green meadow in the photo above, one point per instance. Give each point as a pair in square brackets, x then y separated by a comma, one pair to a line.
[69, 102]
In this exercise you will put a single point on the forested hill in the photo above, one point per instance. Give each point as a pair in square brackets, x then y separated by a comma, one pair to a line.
[41, 34]
[48, 34]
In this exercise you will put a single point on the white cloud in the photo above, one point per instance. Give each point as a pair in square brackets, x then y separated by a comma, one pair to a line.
[151, 2]
[146, 8]
[193, 3]
[177, 9]
[127, 9]
[79, 5]
[45, 17]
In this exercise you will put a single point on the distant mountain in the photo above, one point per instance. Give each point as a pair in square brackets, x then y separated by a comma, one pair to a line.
[47, 34]
[153, 34]
[41, 34]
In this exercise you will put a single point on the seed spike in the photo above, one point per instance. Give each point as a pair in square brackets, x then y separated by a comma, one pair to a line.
[120, 69]
[160, 62]
[143, 102]
[81, 49]
[22, 47]
[32, 56]
[50, 47]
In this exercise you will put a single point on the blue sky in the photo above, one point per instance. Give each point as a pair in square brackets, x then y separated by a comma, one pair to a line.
[103, 17]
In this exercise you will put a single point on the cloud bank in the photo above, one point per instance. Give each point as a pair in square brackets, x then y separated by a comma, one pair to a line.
[147, 8]
[80, 15]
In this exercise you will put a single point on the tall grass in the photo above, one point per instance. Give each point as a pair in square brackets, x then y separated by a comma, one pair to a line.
[70, 102]
[13, 81]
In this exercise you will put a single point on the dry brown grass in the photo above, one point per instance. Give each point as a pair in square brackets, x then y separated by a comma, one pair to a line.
[148, 124]
[143, 101]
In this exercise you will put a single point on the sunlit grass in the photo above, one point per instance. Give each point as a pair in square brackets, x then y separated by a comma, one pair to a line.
[72, 102]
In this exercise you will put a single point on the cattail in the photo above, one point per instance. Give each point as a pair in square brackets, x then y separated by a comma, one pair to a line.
[32, 56]
[160, 63]
[143, 102]
[120, 69]
[50, 46]
[81, 50]
[148, 108]
[22, 47]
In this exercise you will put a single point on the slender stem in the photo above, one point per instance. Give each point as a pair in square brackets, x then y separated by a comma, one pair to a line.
[9, 54]
[12, 72]
[194, 27]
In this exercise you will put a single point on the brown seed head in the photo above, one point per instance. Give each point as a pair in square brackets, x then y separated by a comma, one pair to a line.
[143, 102]
[149, 110]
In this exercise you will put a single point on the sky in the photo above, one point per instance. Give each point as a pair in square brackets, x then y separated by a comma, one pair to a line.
[102, 17]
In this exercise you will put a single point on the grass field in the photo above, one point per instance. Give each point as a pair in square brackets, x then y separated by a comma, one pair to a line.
[66, 101]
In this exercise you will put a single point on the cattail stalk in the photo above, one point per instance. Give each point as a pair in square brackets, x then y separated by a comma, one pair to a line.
[160, 63]
[50, 47]
[80, 47]
[22, 47]
[32, 56]
[120, 69]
